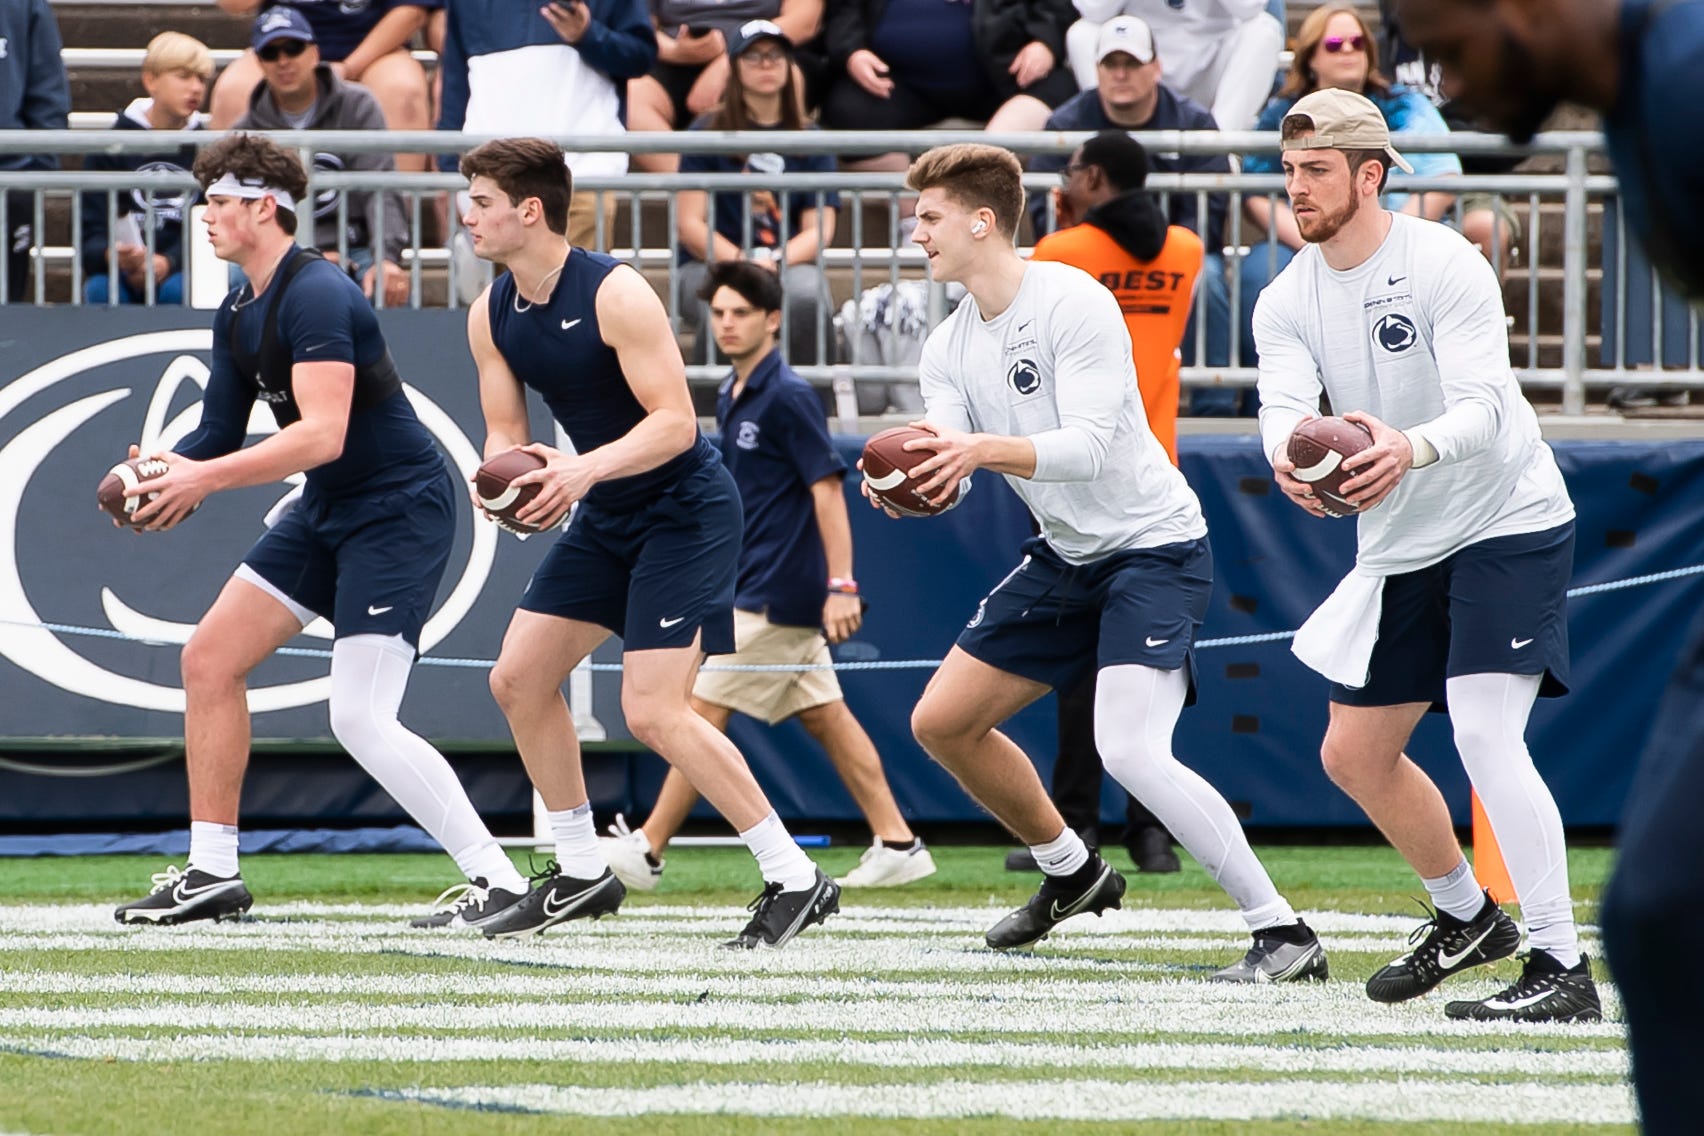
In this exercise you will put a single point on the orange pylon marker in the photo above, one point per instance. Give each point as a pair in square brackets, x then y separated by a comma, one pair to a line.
[1488, 866]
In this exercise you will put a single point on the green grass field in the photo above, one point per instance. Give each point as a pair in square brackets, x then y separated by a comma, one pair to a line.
[323, 1013]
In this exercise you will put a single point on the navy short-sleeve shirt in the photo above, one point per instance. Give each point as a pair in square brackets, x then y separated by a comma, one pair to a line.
[775, 442]
[340, 25]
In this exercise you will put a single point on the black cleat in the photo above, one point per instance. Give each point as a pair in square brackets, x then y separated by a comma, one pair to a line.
[183, 897]
[1275, 958]
[1446, 946]
[556, 899]
[471, 904]
[1151, 850]
[1545, 992]
[779, 915]
[1057, 900]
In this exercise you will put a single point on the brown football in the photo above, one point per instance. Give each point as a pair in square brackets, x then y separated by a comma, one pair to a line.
[886, 462]
[500, 498]
[128, 474]
[1318, 447]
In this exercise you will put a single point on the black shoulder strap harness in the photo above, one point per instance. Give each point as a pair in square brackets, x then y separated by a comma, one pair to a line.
[268, 371]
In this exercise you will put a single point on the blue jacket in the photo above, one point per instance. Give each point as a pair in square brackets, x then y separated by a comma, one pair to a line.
[34, 91]
[621, 42]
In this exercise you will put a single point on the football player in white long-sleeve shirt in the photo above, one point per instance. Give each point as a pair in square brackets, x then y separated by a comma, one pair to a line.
[1032, 378]
[1466, 540]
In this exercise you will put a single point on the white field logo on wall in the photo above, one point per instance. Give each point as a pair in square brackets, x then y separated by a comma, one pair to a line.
[61, 408]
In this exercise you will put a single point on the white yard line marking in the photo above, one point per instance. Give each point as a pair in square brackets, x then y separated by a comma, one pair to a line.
[930, 1053]
[1411, 1101]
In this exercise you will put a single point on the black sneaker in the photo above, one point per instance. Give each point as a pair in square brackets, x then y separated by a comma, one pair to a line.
[183, 897]
[1151, 850]
[1279, 958]
[1546, 991]
[556, 899]
[1093, 888]
[1447, 945]
[779, 915]
[468, 905]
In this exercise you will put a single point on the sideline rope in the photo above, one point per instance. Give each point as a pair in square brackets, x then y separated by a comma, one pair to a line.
[851, 665]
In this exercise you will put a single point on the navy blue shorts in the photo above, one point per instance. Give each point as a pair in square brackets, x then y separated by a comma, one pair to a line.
[655, 575]
[1054, 622]
[369, 563]
[1496, 607]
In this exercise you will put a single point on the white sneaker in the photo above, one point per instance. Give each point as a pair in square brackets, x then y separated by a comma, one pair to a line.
[629, 856]
[881, 866]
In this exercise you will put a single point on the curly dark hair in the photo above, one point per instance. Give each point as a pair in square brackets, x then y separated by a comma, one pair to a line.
[252, 157]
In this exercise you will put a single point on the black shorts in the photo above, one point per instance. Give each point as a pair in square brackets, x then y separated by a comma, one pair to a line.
[1496, 607]
[850, 107]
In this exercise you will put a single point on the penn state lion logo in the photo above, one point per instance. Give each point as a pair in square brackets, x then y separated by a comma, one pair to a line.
[1024, 376]
[1395, 332]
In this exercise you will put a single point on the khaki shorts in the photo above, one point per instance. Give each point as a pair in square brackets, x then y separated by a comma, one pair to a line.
[771, 696]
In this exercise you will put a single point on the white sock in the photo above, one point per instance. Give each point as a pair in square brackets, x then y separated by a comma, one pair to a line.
[1136, 712]
[779, 856]
[577, 851]
[1064, 855]
[213, 848]
[486, 860]
[1457, 893]
[369, 674]
[1489, 713]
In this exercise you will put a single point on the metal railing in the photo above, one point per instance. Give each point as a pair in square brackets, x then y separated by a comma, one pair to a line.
[1553, 336]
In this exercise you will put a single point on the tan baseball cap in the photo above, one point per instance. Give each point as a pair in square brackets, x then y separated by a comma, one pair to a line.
[1342, 120]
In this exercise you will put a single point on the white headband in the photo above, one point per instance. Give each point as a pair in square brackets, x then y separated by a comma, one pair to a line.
[253, 190]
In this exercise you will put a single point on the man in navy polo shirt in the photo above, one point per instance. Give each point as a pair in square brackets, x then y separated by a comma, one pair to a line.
[797, 537]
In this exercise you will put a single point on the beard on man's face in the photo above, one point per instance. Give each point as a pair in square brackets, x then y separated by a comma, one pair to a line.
[1325, 224]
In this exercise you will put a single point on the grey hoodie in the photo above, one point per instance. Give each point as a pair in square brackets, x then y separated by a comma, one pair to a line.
[341, 106]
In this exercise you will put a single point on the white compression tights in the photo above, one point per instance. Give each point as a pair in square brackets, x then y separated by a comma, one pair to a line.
[1136, 712]
[1489, 713]
[369, 674]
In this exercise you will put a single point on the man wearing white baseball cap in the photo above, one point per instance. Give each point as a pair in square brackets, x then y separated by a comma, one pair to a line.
[1221, 53]
[1465, 543]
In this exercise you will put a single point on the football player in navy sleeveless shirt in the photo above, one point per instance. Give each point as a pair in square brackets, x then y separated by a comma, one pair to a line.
[365, 546]
[651, 553]
[1641, 63]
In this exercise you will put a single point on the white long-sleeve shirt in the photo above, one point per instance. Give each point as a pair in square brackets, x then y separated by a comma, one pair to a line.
[1056, 367]
[1414, 336]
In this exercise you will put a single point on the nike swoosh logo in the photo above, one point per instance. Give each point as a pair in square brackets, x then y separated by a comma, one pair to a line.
[378, 610]
[567, 324]
[1153, 642]
[670, 622]
[183, 893]
[552, 911]
[1529, 1000]
[1517, 644]
[1449, 961]
[887, 481]
[1395, 280]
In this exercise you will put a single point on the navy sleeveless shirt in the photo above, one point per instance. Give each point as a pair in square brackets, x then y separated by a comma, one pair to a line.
[556, 348]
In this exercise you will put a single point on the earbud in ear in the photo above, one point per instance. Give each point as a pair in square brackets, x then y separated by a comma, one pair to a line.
[979, 228]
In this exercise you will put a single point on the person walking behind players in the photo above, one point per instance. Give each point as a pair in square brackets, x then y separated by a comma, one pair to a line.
[365, 546]
[798, 546]
[1464, 548]
[652, 550]
[1116, 583]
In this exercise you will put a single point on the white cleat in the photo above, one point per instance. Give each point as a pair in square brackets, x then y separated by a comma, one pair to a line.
[629, 856]
[881, 866]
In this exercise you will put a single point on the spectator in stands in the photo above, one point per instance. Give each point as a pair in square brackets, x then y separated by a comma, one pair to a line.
[364, 41]
[691, 72]
[300, 92]
[781, 231]
[1111, 228]
[904, 66]
[1221, 53]
[175, 72]
[514, 68]
[1335, 48]
[34, 95]
[1128, 95]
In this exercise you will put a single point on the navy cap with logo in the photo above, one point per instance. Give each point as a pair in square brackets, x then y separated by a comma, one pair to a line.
[753, 32]
[281, 23]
